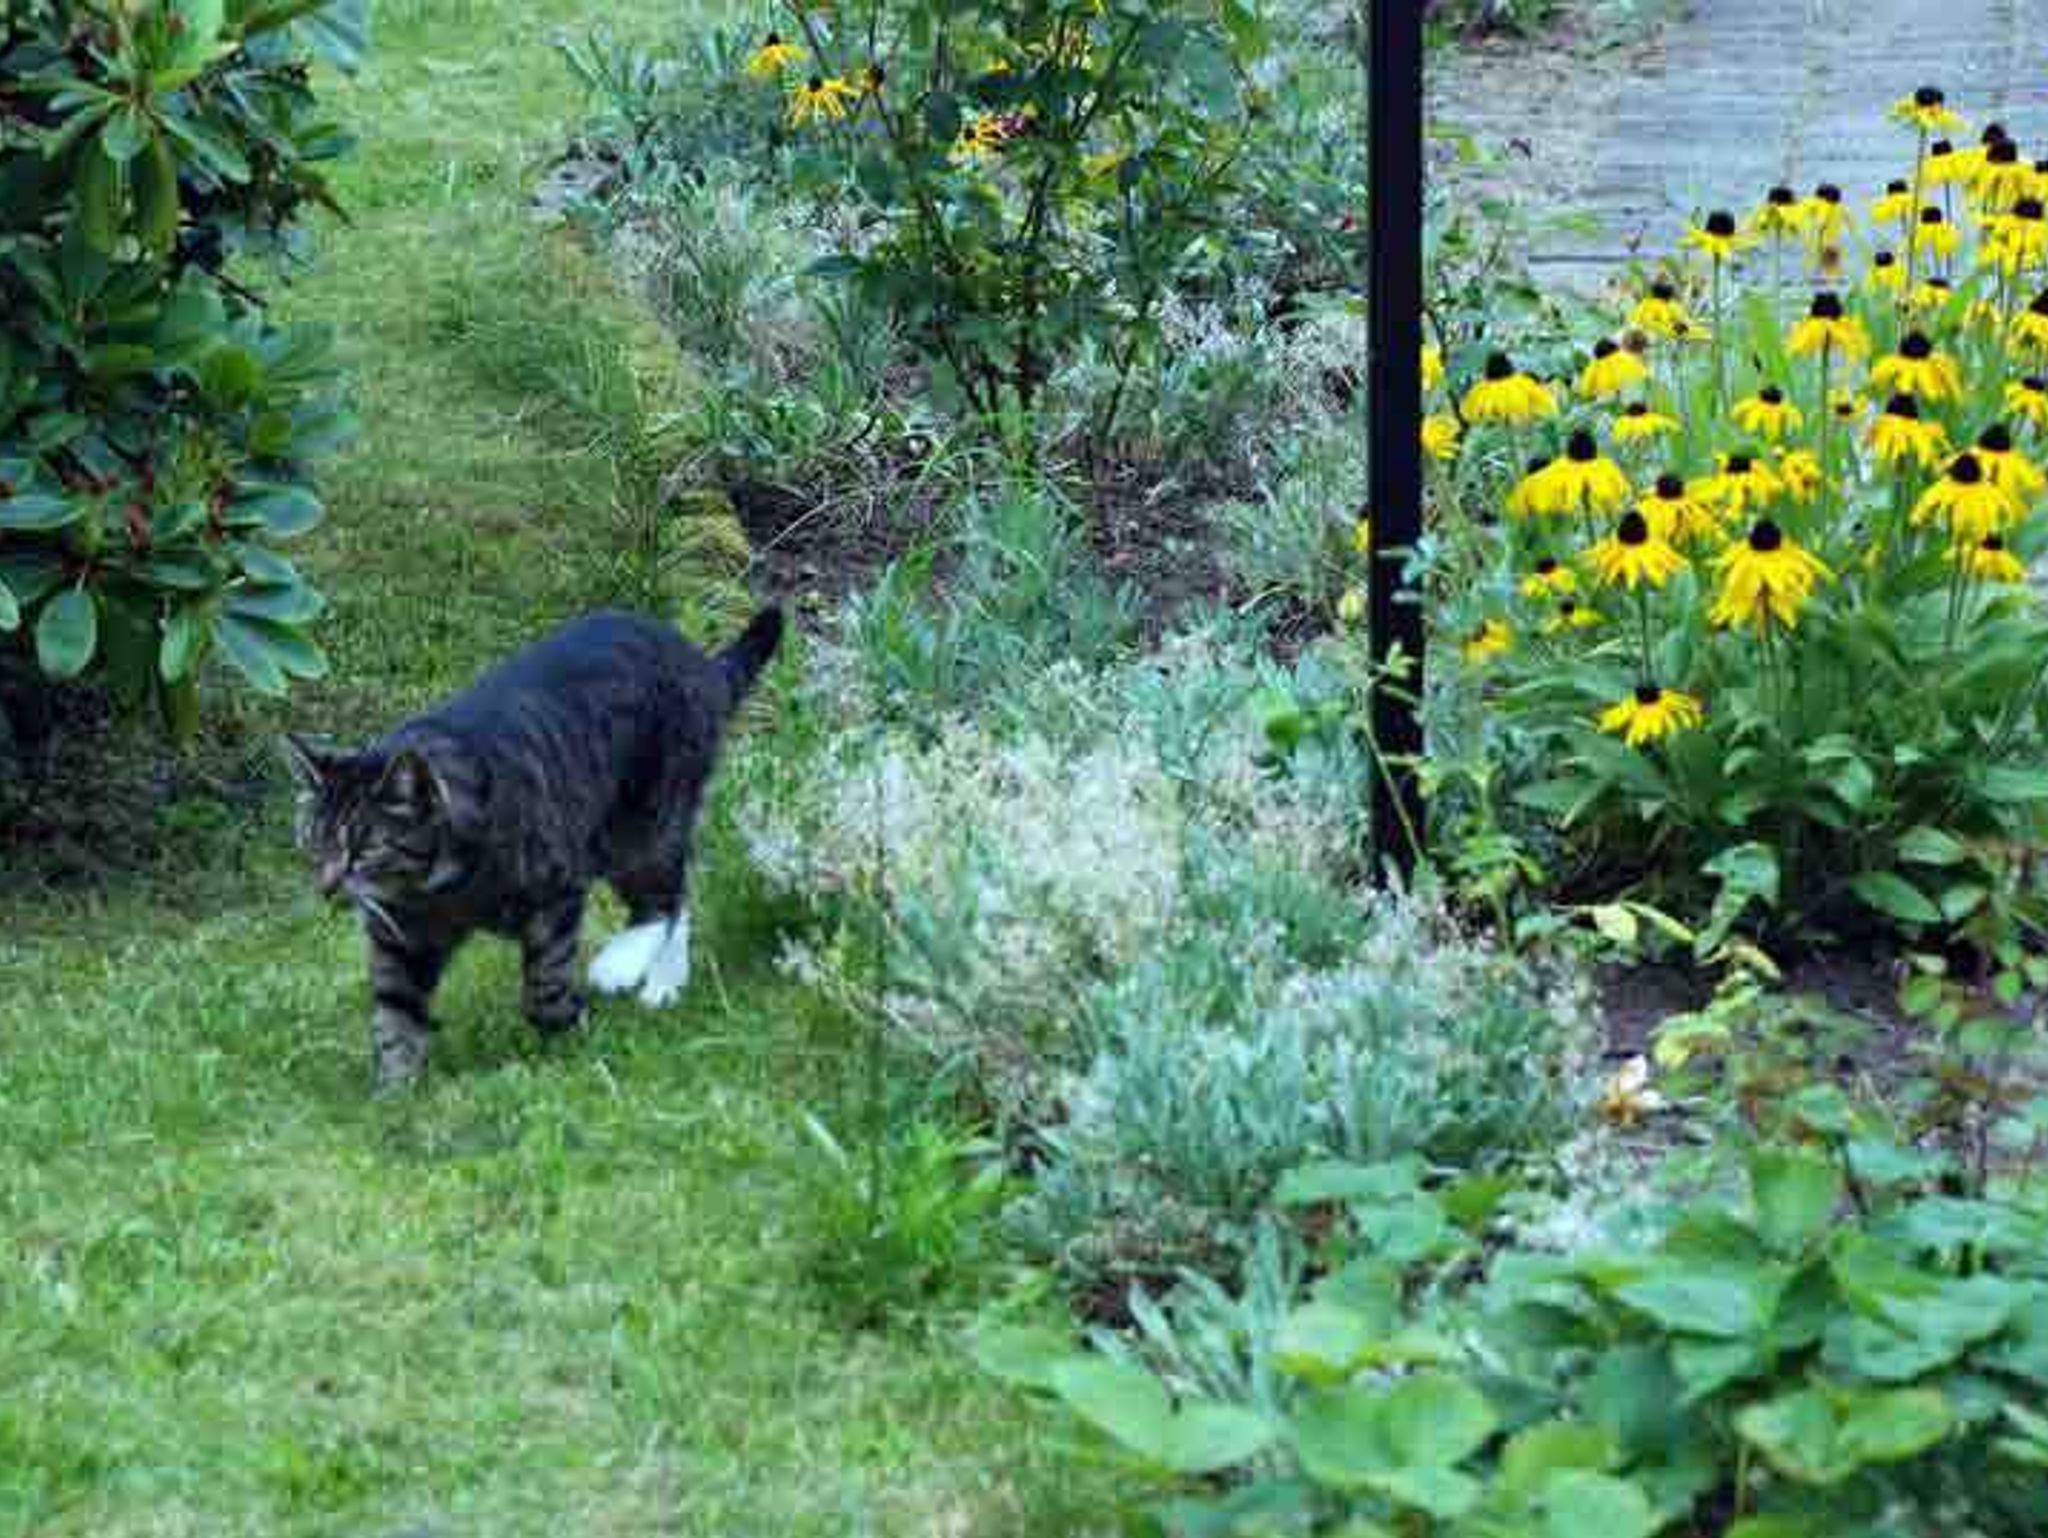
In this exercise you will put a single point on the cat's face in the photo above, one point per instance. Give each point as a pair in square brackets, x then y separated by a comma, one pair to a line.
[374, 827]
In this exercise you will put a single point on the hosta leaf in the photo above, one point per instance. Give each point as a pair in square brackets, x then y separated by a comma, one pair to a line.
[1534, 1456]
[1322, 1342]
[1692, 1303]
[1579, 1503]
[67, 633]
[1796, 1195]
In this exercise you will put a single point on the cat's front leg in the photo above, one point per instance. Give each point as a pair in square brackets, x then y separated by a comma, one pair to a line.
[549, 941]
[403, 975]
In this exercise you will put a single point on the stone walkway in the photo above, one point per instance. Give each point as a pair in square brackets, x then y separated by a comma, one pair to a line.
[1739, 94]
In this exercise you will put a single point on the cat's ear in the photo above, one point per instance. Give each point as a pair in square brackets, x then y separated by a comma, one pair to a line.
[310, 761]
[410, 787]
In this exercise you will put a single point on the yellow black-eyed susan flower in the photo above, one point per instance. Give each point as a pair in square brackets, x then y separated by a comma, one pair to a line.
[1934, 236]
[1845, 405]
[1633, 555]
[1800, 472]
[2027, 399]
[1927, 109]
[1887, 274]
[1661, 313]
[773, 57]
[1823, 217]
[1829, 328]
[1895, 208]
[1742, 485]
[1718, 236]
[2030, 326]
[1583, 481]
[2002, 179]
[1571, 615]
[1988, 560]
[1968, 502]
[1551, 578]
[1492, 639]
[1639, 424]
[1432, 365]
[1920, 370]
[1930, 296]
[1768, 415]
[1522, 498]
[2006, 467]
[1678, 517]
[1440, 434]
[1782, 215]
[1613, 370]
[819, 99]
[1361, 534]
[1507, 396]
[2016, 242]
[1651, 714]
[1901, 436]
[1766, 575]
[1944, 165]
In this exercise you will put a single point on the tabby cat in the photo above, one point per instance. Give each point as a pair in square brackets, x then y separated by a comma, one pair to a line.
[583, 758]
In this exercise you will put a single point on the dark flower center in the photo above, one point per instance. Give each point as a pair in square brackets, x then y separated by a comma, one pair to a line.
[1928, 96]
[1546, 566]
[2034, 384]
[1893, 189]
[1782, 197]
[1500, 366]
[1941, 147]
[1940, 285]
[1994, 133]
[2040, 304]
[1826, 307]
[2003, 153]
[817, 84]
[1967, 471]
[1930, 215]
[1605, 348]
[1766, 537]
[774, 40]
[1636, 409]
[1582, 449]
[1884, 259]
[1740, 464]
[877, 76]
[2029, 208]
[1828, 192]
[1904, 407]
[1721, 225]
[1663, 291]
[1670, 487]
[1992, 543]
[1567, 607]
[1634, 530]
[1995, 439]
[1917, 347]
[1539, 464]
[1771, 395]
[1647, 695]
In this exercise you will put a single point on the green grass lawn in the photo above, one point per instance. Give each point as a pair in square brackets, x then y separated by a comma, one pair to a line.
[557, 1292]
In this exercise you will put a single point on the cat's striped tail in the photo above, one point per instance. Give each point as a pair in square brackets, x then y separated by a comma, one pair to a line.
[744, 660]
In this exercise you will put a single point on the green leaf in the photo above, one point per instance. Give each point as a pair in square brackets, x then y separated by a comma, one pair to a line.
[1322, 1342]
[2012, 786]
[10, 608]
[67, 633]
[184, 639]
[1334, 1180]
[1930, 846]
[292, 605]
[1796, 1195]
[98, 189]
[1129, 1405]
[1689, 1302]
[247, 645]
[156, 197]
[1533, 1456]
[1579, 1503]
[37, 512]
[285, 511]
[1891, 894]
[1436, 1419]
[1820, 1438]
[1352, 1438]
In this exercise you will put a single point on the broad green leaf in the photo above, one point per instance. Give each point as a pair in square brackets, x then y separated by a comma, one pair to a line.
[1322, 1342]
[247, 645]
[1441, 1492]
[156, 197]
[285, 511]
[67, 633]
[98, 189]
[1819, 1437]
[1579, 1503]
[1706, 1367]
[1209, 1438]
[37, 512]
[1436, 1419]
[2011, 785]
[10, 610]
[1129, 1404]
[1692, 1303]
[1796, 1195]
[293, 605]
[1891, 894]
[1872, 1349]
[1337, 1181]
[184, 637]
[1931, 846]
[1895, 1424]
[1533, 1456]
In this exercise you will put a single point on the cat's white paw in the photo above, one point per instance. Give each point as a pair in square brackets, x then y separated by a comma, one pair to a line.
[627, 957]
[668, 974]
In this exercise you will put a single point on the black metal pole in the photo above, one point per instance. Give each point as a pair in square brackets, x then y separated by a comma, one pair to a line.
[1394, 391]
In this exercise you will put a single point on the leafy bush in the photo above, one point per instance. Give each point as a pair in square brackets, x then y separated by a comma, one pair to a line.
[1808, 670]
[1845, 1351]
[156, 426]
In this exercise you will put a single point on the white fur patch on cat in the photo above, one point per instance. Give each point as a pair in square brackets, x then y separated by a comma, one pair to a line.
[622, 965]
[669, 973]
[654, 958]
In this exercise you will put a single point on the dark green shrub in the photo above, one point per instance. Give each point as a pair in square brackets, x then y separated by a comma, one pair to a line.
[156, 424]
